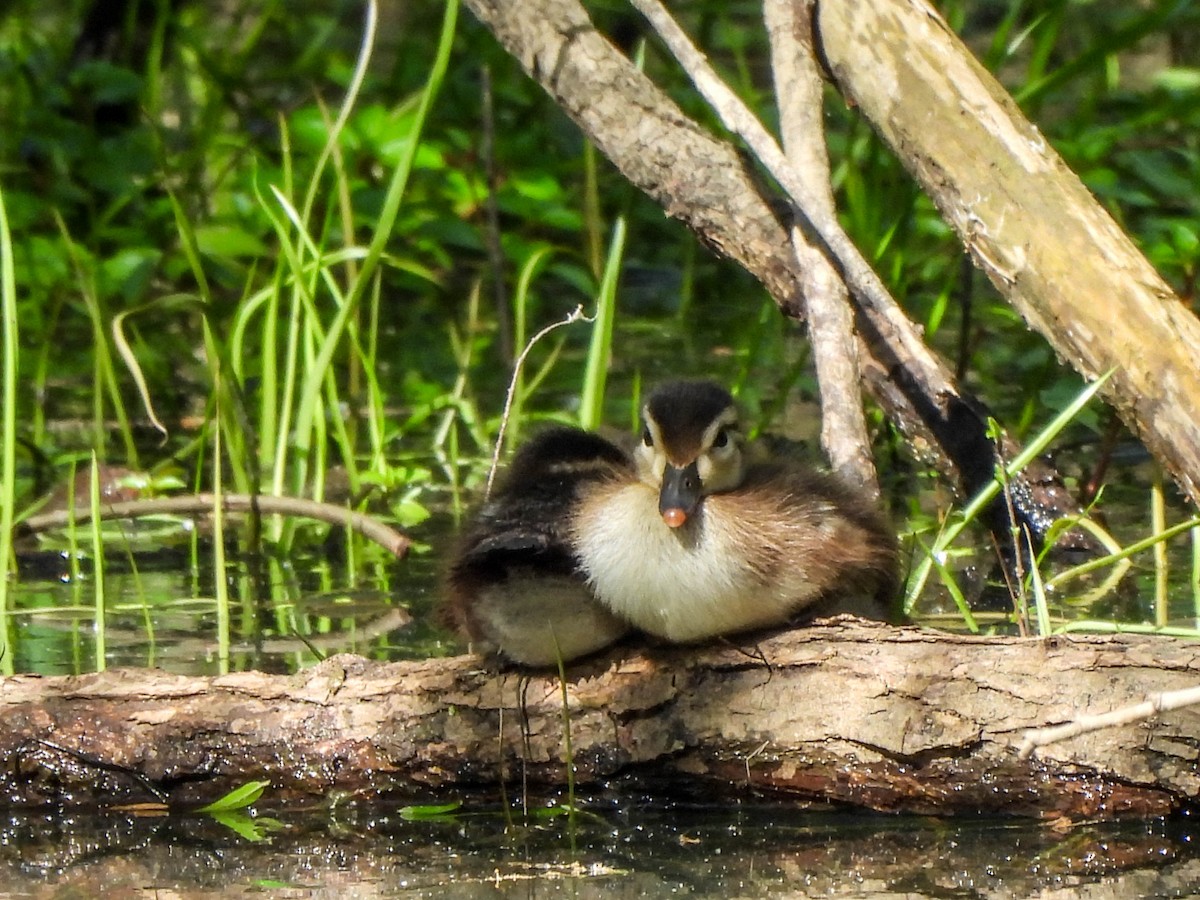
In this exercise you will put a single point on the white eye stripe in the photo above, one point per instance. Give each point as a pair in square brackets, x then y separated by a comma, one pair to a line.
[723, 433]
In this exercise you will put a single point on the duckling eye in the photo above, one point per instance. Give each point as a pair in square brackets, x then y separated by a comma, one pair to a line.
[646, 438]
[721, 439]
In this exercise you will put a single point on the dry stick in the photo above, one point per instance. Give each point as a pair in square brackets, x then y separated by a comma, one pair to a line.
[1167, 700]
[385, 536]
[799, 96]
[576, 315]
[492, 232]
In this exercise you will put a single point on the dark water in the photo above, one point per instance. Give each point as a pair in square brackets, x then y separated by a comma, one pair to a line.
[615, 848]
[347, 595]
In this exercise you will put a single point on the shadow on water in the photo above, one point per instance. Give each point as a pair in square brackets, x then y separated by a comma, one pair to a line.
[618, 848]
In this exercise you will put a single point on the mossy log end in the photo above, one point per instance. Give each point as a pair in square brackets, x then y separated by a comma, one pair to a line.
[897, 719]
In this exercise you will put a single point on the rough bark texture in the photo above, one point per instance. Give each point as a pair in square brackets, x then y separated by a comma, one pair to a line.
[867, 715]
[1026, 219]
[705, 183]
[800, 98]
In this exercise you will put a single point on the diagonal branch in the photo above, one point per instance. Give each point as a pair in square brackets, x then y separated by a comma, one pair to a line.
[959, 422]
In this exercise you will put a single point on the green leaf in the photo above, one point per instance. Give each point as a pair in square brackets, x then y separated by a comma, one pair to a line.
[253, 830]
[239, 798]
[425, 813]
[228, 241]
[409, 512]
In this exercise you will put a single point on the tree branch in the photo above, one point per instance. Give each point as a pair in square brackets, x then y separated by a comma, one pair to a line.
[799, 94]
[1025, 217]
[387, 537]
[705, 183]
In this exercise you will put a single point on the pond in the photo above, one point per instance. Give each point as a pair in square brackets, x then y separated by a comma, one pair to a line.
[166, 602]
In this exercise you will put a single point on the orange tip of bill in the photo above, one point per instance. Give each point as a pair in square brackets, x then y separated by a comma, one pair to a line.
[674, 517]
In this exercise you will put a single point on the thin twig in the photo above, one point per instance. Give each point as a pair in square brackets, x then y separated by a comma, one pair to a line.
[1167, 700]
[576, 315]
[384, 535]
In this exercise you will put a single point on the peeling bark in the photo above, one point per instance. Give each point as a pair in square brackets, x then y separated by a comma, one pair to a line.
[895, 719]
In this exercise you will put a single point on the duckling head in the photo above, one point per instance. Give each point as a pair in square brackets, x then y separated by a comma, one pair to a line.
[691, 446]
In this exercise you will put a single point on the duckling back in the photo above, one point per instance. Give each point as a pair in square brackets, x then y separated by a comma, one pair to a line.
[514, 587]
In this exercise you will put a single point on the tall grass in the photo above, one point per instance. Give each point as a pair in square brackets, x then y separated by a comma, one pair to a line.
[100, 619]
[220, 573]
[8, 427]
[104, 374]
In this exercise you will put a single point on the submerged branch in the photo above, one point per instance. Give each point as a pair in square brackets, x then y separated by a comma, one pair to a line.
[384, 535]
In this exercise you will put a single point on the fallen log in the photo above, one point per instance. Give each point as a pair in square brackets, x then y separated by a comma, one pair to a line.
[849, 712]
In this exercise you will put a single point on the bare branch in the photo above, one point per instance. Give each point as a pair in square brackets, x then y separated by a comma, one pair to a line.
[799, 95]
[387, 537]
[705, 183]
[1126, 715]
[1027, 220]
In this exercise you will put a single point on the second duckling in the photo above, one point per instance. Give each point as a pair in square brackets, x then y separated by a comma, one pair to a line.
[515, 588]
[698, 542]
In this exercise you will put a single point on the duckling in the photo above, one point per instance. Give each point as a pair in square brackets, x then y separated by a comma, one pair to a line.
[514, 587]
[700, 541]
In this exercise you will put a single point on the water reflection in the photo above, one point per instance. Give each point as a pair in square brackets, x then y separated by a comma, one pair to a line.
[160, 610]
[616, 848]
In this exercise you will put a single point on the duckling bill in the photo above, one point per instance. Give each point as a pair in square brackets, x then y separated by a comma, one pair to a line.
[696, 541]
[515, 587]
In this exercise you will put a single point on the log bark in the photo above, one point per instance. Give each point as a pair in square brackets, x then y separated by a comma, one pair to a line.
[1026, 219]
[706, 183]
[893, 719]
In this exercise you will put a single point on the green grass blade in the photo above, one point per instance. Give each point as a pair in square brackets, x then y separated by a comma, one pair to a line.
[981, 500]
[8, 428]
[98, 566]
[591, 405]
[319, 365]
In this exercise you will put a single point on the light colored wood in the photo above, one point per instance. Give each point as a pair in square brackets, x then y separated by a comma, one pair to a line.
[800, 98]
[706, 183]
[869, 715]
[1025, 218]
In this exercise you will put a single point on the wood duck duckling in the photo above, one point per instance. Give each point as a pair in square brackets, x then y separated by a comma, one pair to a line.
[698, 541]
[514, 587]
